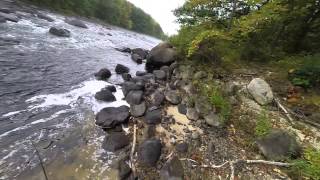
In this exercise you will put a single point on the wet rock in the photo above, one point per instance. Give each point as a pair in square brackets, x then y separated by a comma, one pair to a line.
[120, 69]
[149, 152]
[126, 77]
[60, 32]
[103, 74]
[172, 96]
[172, 170]
[111, 88]
[124, 50]
[182, 147]
[6, 10]
[153, 116]
[123, 169]
[161, 55]
[260, 91]
[141, 73]
[76, 22]
[182, 108]
[278, 145]
[136, 58]
[45, 17]
[110, 117]
[2, 20]
[134, 97]
[130, 86]
[115, 141]
[202, 105]
[138, 110]
[213, 119]
[141, 52]
[200, 75]
[192, 114]
[105, 95]
[166, 69]
[9, 17]
[157, 98]
[159, 74]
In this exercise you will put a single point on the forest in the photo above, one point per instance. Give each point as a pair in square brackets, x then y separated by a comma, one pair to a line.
[116, 12]
[265, 31]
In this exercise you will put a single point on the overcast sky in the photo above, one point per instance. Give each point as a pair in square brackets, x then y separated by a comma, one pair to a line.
[161, 11]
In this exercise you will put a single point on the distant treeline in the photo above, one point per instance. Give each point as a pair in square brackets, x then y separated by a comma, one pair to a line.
[117, 12]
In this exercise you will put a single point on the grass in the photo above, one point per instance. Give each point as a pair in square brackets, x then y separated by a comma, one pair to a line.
[263, 125]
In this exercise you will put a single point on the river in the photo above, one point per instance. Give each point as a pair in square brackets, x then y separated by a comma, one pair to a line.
[47, 99]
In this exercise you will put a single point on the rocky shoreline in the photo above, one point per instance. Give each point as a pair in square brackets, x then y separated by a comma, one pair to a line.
[170, 137]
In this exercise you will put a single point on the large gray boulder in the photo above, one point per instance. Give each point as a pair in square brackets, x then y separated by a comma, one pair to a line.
[162, 55]
[110, 117]
[121, 69]
[105, 95]
[115, 141]
[278, 145]
[141, 52]
[76, 22]
[149, 152]
[134, 97]
[9, 17]
[260, 91]
[60, 32]
[103, 74]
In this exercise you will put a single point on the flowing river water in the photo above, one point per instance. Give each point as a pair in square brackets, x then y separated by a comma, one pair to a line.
[47, 96]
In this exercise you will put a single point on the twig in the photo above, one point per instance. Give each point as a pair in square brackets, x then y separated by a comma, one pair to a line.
[233, 163]
[284, 110]
[40, 160]
[133, 147]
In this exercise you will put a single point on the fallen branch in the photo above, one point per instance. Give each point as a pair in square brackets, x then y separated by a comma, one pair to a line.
[284, 110]
[40, 160]
[133, 148]
[232, 164]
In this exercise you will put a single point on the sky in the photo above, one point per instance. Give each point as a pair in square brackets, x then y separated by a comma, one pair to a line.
[161, 11]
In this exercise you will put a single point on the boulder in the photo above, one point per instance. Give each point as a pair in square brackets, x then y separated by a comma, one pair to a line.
[115, 141]
[149, 152]
[105, 95]
[182, 109]
[138, 110]
[141, 52]
[103, 74]
[124, 50]
[45, 17]
[110, 117]
[172, 170]
[278, 145]
[9, 17]
[60, 32]
[161, 55]
[157, 98]
[182, 147]
[172, 96]
[192, 114]
[126, 76]
[136, 58]
[141, 73]
[120, 69]
[159, 74]
[130, 86]
[134, 97]
[213, 119]
[153, 116]
[76, 22]
[260, 91]
[111, 88]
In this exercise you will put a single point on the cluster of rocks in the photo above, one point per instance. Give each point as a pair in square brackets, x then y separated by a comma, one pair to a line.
[137, 54]
[146, 94]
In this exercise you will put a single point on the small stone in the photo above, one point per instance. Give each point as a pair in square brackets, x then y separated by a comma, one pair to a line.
[103, 74]
[111, 88]
[182, 147]
[192, 114]
[159, 74]
[157, 98]
[153, 116]
[134, 97]
[141, 73]
[260, 91]
[115, 141]
[138, 110]
[60, 32]
[213, 119]
[172, 170]
[126, 77]
[149, 152]
[173, 97]
[121, 69]
[136, 58]
[182, 108]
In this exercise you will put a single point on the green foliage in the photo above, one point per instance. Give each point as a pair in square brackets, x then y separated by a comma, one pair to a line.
[214, 94]
[309, 166]
[263, 125]
[117, 12]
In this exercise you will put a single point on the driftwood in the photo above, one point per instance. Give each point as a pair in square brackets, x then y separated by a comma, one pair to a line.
[134, 141]
[233, 163]
[284, 110]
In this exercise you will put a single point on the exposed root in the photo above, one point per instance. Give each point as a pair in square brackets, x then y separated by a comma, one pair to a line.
[284, 110]
[133, 148]
[232, 164]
